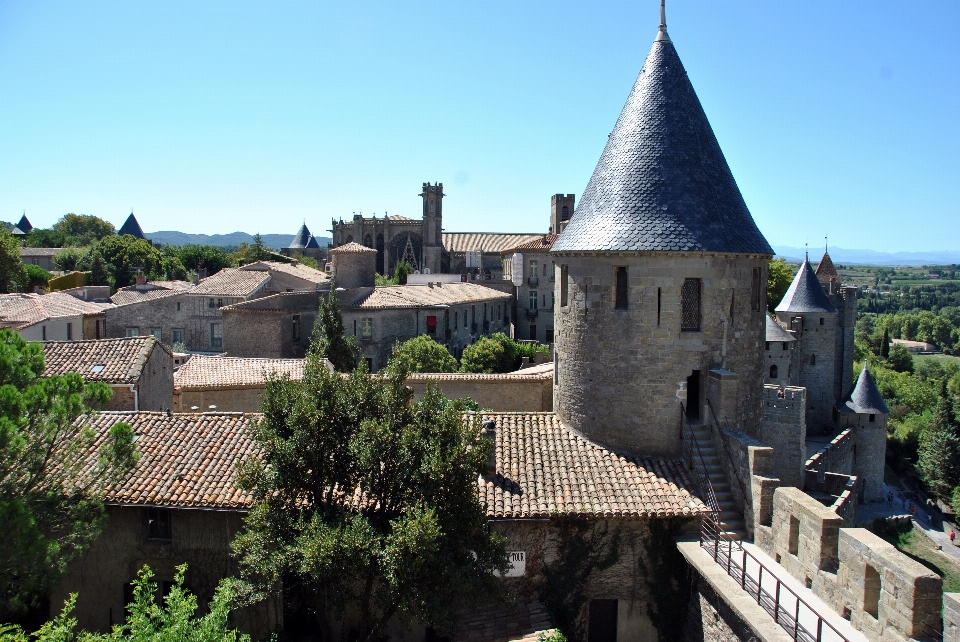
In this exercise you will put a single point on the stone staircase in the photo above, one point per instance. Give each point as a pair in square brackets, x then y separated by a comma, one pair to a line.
[731, 520]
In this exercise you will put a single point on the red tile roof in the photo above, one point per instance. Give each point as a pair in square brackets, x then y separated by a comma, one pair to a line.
[203, 371]
[352, 248]
[188, 460]
[419, 296]
[459, 242]
[154, 290]
[24, 310]
[544, 468]
[539, 244]
[106, 360]
[232, 282]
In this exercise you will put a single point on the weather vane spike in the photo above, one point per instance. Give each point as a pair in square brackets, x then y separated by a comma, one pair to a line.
[826, 244]
[662, 33]
[806, 251]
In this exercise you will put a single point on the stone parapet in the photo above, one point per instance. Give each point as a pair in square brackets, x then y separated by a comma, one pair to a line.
[784, 428]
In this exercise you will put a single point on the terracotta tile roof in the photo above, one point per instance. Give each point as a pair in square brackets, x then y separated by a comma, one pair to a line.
[230, 372]
[40, 251]
[298, 270]
[158, 290]
[540, 244]
[232, 282]
[24, 310]
[186, 460]
[106, 360]
[352, 248]
[418, 296]
[544, 468]
[826, 270]
[472, 241]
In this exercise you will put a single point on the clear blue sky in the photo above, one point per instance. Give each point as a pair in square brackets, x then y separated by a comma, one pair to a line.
[207, 117]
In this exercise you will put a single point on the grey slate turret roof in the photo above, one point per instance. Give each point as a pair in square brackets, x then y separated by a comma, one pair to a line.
[806, 294]
[662, 182]
[312, 244]
[865, 398]
[301, 239]
[24, 225]
[131, 227]
[775, 332]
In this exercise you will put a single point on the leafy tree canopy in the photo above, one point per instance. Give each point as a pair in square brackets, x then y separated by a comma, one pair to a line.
[365, 499]
[13, 276]
[36, 276]
[49, 512]
[127, 254]
[486, 356]
[83, 229]
[939, 456]
[210, 257]
[45, 238]
[779, 278]
[900, 358]
[147, 621]
[423, 354]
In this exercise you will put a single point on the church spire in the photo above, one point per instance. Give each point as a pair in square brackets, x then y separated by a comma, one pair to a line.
[662, 33]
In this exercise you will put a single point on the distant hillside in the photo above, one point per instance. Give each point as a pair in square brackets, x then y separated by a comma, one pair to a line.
[273, 241]
[870, 257]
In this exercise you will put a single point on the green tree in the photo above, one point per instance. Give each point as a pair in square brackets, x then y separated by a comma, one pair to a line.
[486, 356]
[99, 274]
[148, 621]
[36, 277]
[127, 254]
[71, 258]
[12, 273]
[258, 251]
[900, 358]
[423, 354]
[330, 340]
[939, 455]
[49, 506]
[415, 540]
[83, 229]
[173, 268]
[45, 238]
[309, 261]
[210, 257]
[401, 272]
[779, 278]
[885, 343]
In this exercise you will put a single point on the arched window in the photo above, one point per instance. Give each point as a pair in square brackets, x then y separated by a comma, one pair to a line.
[368, 241]
[564, 213]
[774, 371]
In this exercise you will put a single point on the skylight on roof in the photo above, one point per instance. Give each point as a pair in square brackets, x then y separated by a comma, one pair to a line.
[98, 368]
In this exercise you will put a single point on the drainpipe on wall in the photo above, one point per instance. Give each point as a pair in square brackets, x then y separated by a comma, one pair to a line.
[136, 397]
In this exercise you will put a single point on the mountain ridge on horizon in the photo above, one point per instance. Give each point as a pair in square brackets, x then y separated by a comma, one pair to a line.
[273, 241]
[871, 257]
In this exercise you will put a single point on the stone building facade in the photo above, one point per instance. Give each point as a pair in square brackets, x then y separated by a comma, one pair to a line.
[534, 296]
[778, 353]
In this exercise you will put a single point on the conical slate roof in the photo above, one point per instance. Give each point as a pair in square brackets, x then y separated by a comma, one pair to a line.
[131, 227]
[806, 294]
[775, 332]
[24, 225]
[662, 182]
[865, 399]
[301, 239]
[312, 243]
[826, 270]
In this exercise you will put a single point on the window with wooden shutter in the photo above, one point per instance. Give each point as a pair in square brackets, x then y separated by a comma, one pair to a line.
[690, 306]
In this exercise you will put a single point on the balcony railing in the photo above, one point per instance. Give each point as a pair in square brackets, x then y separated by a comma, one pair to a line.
[533, 281]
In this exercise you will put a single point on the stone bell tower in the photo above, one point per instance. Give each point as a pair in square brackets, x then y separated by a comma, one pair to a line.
[432, 225]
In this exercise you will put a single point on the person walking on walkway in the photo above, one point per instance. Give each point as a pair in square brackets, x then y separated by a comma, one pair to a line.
[953, 536]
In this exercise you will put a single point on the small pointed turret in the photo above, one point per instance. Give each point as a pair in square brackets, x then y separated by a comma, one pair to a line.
[24, 224]
[865, 398]
[806, 294]
[132, 227]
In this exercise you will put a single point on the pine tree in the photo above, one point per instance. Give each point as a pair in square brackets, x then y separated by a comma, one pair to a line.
[329, 337]
[885, 344]
[939, 455]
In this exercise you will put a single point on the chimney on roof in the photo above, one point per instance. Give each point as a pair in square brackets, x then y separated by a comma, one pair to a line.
[141, 282]
[490, 432]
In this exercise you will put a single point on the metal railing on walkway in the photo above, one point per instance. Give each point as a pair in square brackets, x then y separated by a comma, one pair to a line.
[786, 608]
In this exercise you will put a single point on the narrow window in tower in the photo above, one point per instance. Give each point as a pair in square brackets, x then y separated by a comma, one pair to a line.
[563, 286]
[621, 303]
[813, 359]
[658, 306]
[690, 306]
[774, 371]
[733, 297]
[755, 291]
[821, 320]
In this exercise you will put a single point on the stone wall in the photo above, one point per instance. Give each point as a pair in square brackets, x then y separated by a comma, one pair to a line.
[502, 393]
[869, 450]
[814, 364]
[190, 315]
[749, 466]
[622, 373]
[265, 327]
[200, 539]
[784, 428]
[884, 593]
[155, 387]
[122, 398]
[239, 399]
[951, 617]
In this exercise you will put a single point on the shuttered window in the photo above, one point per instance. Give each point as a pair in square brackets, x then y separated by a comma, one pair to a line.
[690, 306]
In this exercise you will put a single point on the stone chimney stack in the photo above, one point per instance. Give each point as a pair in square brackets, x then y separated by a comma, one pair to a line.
[490, 432]
[141, 282]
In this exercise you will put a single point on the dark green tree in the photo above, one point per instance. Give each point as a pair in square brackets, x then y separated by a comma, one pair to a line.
[99, 274]
[885, 344]
[13, 276]
[45, 238]
[83, 229]
[400, 273]
[330, 340]
[211, 257]
[366, 500]
[127, 254]
[36, 277]
[258, 250]
[49, 504]
[779, 277]
[900, 358]
[939, 454]
[423, 354]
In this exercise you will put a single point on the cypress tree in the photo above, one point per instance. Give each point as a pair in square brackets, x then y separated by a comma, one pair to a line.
[329, 339]
[885, 344]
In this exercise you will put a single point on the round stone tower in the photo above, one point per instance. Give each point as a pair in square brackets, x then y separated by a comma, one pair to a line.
[661, 278]
[354, 266]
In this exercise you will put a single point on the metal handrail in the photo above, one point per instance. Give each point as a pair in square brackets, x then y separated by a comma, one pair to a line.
[743, 488]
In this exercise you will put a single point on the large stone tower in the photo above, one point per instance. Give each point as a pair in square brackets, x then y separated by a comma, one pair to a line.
[561, 209]
[661, 277]
[807, 312]
[432, 225]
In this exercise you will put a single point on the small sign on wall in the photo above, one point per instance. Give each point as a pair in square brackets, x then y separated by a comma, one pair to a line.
[518, 563]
